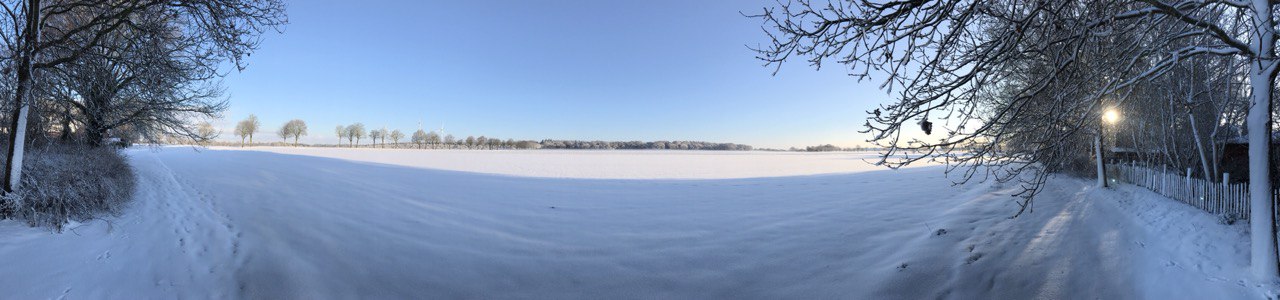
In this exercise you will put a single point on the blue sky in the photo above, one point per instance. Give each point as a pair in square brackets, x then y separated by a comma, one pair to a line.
[607, 70]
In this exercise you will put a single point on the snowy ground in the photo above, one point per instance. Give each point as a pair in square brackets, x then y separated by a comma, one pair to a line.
[402, 224]
[606, 164]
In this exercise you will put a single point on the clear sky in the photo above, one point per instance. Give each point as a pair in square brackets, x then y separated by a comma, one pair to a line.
[573, 69]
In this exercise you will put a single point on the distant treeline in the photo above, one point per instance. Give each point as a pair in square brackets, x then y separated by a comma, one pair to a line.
[638, 145]
[830, 148]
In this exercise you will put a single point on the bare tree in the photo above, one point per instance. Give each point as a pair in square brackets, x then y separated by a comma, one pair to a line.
[383, 134]
[374, 135]
[419, 137]
[293, 129]
[242, 131]
[396, 135]
[252, 126]
[157, 87]
[433, 139]
[207, 132]
[340, 132]
[354, 133]
[41, 33]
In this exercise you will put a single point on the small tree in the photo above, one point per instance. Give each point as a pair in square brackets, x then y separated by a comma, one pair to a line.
[383, 134]
[396, 135]
[206, 132]
[471, 141]
[449, 139]
[419, 137]
[293, 129]
[242, 132]
[433, 138]
[246, 128]
[340, 132]
[251, 127]
[374, 135]
[283, 133]
[355, 132]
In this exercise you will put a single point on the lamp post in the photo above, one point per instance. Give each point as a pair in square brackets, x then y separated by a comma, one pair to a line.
[1109, 117]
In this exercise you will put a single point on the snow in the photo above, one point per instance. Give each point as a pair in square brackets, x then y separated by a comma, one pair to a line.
[605, 164]
[260, 224]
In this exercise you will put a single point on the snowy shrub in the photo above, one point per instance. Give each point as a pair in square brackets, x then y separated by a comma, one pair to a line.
[63, 182]
[1229, 218]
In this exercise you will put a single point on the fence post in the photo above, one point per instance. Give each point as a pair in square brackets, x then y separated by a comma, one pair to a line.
[1188, 194]
[1226, 183]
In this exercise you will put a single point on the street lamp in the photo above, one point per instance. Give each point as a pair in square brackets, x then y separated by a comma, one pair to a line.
[1109, 116]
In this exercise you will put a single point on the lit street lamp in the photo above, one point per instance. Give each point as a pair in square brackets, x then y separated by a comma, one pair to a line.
[1110, 116]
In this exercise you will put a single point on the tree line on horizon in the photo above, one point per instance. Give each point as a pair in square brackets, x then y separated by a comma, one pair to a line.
[356, 133]
[831, 148]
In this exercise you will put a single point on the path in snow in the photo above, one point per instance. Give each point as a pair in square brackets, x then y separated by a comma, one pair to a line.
[264, 225]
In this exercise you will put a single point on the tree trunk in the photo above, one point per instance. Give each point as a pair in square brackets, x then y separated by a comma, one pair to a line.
[22, 92]
[1262, 232]
[66, 124]
[1097, 152]
[1204, 160]
[1261, 78]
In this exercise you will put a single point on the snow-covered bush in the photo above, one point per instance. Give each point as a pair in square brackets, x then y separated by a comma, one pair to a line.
[1229, 218]
[65, 182]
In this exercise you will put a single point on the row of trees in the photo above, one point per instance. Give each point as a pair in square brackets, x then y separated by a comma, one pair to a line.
[830, 148]
[245, 129]
[355, 133]
[1019, 89]
[638, 145]
[90, 71]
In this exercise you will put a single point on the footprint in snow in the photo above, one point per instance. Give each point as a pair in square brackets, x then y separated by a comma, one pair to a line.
[973, 258]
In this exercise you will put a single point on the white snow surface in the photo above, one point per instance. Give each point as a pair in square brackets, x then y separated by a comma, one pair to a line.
[256, 224]
[606, 164]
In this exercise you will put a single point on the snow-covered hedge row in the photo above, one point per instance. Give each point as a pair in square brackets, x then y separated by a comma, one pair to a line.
[65, 182]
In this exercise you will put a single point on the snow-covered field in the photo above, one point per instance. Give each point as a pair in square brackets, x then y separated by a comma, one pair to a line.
[342, 223]
[606, 164]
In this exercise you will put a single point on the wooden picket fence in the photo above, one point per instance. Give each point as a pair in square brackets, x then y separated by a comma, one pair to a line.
[1220, 198]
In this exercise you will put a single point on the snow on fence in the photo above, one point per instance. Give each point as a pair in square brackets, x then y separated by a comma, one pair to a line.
[1220, 198]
